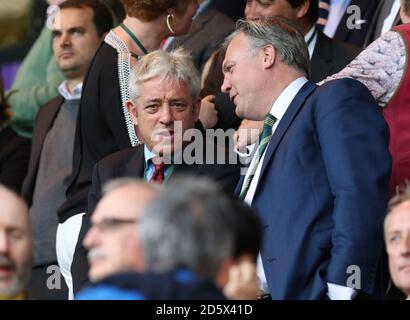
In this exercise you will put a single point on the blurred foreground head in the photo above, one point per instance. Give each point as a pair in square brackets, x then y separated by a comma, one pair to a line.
[15, 245]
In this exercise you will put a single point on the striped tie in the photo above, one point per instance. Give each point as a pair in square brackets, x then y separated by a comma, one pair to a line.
[324, 6]
[264, 139]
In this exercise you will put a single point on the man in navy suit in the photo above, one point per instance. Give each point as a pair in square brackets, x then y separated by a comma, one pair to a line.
[319, 177]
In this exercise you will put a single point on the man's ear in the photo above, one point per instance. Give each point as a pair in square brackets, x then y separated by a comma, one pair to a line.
[302, 9]
[197, 108]
[268, 56]
[132, 109]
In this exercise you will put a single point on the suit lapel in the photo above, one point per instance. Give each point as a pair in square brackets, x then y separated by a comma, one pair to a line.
[397, 20]
[297, 103]
[321, 58]
[239, 185]
[135, 166]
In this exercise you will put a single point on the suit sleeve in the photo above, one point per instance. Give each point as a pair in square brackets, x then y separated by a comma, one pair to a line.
[354, 141]
[94, 194]
[14, 168]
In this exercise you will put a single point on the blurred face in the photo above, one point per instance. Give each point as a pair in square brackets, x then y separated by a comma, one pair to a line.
[112, 240]
[182, 23]
[269, 8]
[243, 79]
[164, 111]
[75, 41]
[15, 246]
[397, 231]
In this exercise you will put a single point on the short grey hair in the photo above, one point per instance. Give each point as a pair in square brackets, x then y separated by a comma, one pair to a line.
[176, 65]
[126, 181]
[278, 32]
[190, 224]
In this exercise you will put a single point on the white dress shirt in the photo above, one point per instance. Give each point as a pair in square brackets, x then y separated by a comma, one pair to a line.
[312, 44]
[66, 94]
[388, 22]
[336, 12]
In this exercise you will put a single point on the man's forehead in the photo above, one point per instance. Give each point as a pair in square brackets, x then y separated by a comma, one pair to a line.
[237, 47]
[13, 212]
[72, 17]
[399, 217]
[164, 88]
[9, 220]
[126, 202]
[159, 83]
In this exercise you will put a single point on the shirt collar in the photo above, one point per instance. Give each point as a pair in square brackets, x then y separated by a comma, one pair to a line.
[148, 155]
[202, 7]
[282, 103]
[67, 95]
[311, 46]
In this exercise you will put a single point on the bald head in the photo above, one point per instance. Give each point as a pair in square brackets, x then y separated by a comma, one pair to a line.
[15, 244]
[113, 238]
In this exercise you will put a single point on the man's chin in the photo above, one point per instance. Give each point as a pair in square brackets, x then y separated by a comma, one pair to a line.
[10, 288]
[164, 150]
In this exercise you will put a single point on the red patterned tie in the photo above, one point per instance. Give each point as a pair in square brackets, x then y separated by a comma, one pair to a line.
[158, 175]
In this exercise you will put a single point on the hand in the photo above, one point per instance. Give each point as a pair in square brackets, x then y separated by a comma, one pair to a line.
[247, 134]
[243, 282]
[208, 114]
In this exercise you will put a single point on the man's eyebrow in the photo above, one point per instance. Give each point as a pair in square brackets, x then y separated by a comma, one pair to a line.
[152, 100]
[71, 29]
[15, 228]
[224, 66]
[56, 31]
[182, 99]
[76, 28]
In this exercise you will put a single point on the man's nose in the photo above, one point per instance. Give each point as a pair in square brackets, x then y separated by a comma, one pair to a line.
[90, 237]
[3, 242]
[226, 85]
[65, 40]
[406, 246]
[166, 117]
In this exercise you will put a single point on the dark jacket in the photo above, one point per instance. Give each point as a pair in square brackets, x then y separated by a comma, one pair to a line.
[14, 156]
[44, 121]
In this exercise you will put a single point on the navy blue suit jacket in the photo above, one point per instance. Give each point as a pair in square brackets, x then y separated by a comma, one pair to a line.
[322, 192]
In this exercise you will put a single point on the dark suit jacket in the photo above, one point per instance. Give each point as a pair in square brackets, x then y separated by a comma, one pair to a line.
[207, 32]
[44, 121]
[371, 34]
[14, 155]
[357, 36]
[322, 192]
[130, 163]
[330, 56]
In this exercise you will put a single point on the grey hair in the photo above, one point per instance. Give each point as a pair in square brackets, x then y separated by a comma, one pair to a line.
[176, 65]
[190, 225]
[125, 182]
[278, 32]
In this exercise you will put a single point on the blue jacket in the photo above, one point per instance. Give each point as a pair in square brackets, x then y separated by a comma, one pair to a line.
[323, 191]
